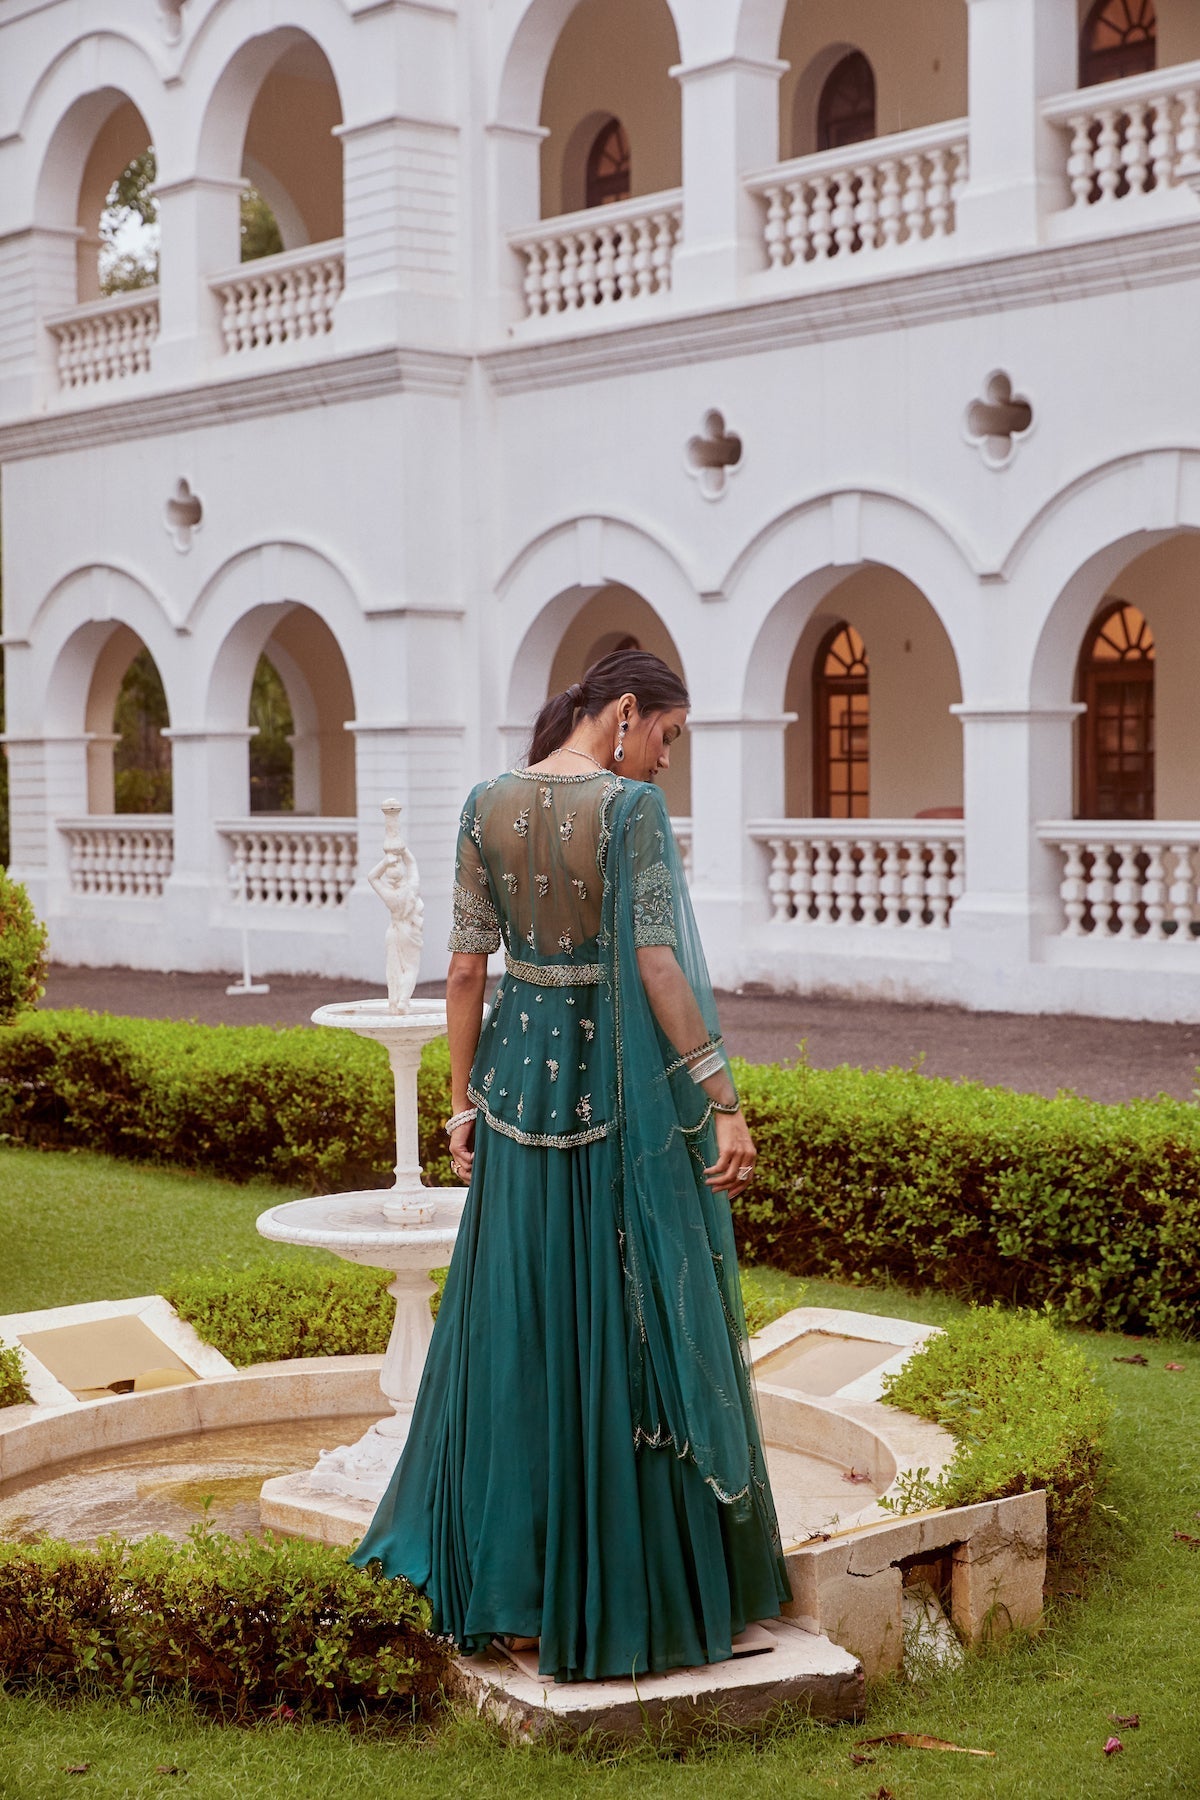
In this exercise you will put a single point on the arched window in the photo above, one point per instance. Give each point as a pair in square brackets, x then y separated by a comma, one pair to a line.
[608, 169]
[841, 722]
[846, 109]
[1119, 38]
[1116, 742]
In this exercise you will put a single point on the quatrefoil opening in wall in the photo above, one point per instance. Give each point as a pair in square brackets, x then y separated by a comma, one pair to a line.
[183, 515]
[999, 422]
[713, 455]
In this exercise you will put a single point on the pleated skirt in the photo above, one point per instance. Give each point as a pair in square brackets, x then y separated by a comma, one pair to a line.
[521, 1504]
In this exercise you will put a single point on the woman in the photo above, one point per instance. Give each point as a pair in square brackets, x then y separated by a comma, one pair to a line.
[584, 1468]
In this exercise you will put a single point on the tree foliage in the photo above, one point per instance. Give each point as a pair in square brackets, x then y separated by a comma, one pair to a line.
[129, 228]
[142, 757]
[272, 764]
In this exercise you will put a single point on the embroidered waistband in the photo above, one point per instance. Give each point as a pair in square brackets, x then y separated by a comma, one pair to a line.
[554, 974]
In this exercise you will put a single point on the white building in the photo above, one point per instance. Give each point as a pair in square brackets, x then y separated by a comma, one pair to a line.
[928, 397]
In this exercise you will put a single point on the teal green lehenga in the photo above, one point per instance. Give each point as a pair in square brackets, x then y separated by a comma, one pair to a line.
[584, 1464]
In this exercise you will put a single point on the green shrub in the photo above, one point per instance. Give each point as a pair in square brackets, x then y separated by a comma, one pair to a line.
[1024, 1408]
[22, 951]
[868, 1176]
[14, 1390]
[307, 1108]
[862, 1175]
[270, 1311]
[244, 1626]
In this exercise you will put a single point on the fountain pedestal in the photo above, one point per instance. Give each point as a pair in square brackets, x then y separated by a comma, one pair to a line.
[408, 1229]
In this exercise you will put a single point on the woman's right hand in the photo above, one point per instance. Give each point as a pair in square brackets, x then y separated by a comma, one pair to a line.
[733, 1170]
[462, 1153]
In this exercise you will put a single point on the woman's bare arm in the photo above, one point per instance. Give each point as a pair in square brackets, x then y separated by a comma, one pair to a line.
[466, 981]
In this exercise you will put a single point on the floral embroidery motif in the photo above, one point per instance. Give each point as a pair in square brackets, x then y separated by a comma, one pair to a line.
[476, 926]
[580, 887]
[528, 1060]
[520, 1106]
[477, 830]
[566, 829]
[570, 999]
[543, 885]
[503, 1092]
[524, 1021]
[488, 1079]
[564, 942]
[547, 796]
[588, 1028]
[553, 1068]
[529, 937]
[521, 823]
[556, 1032]
[510, 882]
[653, 907]
[583, 1106]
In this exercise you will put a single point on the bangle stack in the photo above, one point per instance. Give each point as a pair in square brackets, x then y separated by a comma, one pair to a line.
[465, 1117]
[712, 1064]
[726, 1106]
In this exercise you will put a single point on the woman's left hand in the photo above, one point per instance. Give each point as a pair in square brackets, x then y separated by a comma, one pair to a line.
[462, 1153]
[733, 1170]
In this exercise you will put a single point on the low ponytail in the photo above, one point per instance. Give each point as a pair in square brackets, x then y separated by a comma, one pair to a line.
[653, 683]
[552, 727]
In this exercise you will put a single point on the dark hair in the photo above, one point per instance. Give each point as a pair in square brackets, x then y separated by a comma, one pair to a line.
[654, 686]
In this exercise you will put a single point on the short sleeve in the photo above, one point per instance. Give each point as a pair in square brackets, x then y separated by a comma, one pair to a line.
[653, 886]
[476, 924]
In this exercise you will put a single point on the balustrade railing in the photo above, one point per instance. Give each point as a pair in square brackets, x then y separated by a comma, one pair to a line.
[601, 257]
[872, 196]
[107, 340]
[1128, 880]
[291, 864]
[682, 827]
[281, 299]
[122, 855]
[1125, 139]
[885, 874]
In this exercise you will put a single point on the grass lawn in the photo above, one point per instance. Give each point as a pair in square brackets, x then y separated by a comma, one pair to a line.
[1121, 1638]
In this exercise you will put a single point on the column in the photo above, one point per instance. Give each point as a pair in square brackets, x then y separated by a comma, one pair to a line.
[1019, 53]
[209, 781]
[47, 781]
[1017, 770]
[737, 776]
[200, 219]
[730, 130]
[512, 189]
[37, 279]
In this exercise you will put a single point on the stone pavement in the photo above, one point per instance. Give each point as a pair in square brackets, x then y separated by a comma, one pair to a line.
[1106, 1059]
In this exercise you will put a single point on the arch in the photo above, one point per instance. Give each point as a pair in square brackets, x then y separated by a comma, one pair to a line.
[1119, 38]
[70, 102]
[269, 85]
[607, 172]
[552, 577]
[529, 31]
[799, 128]
[781, 579]
[71, 627]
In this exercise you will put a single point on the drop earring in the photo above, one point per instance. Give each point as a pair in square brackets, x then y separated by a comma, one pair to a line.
[619, 752]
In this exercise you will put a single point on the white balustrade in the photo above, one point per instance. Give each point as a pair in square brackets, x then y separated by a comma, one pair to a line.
[1125, 139]
[600, 257]
[292, 864]
[107, 340]
[872, 874]
[866, 197]
[281, 299]
[122, 855]
[1129, 880]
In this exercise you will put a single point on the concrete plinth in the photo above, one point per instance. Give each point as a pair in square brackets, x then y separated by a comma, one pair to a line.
[292, 1506]
[802, 1669]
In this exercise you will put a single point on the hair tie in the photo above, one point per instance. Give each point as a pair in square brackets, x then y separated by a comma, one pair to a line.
[575, 694]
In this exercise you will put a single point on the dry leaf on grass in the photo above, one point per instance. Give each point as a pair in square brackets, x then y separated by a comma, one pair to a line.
[1174, 1367]
[917, 1740]
[1185, 1537]
[1112, 1746]
[1137, 1357]
[883, 1793]
[168, 1769]
[1130, 1721]
[858, 1761]
[76, 1768]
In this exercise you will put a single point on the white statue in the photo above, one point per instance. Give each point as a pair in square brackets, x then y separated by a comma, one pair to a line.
[397, 883]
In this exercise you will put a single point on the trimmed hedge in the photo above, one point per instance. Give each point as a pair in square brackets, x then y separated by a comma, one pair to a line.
[1025, 1408]
[270, 1311]
[862, 1175]
[243, 1626]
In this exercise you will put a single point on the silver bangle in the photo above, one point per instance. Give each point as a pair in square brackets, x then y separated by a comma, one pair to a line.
[466, 1117]
[726, 1106]
[712, 1064]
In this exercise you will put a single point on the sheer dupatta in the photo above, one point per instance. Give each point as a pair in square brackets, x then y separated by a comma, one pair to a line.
[690, 1381]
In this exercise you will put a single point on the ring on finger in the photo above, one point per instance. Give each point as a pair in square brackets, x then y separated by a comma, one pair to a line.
[746, 1173]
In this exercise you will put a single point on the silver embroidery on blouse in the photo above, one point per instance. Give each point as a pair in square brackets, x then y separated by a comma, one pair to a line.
[566, 829]
[521, 823]
[579, 886]
[553, 1068]
[524, 1021]
[510, 882]
[543, 885]
[547, 796]
[653, 907]
[588, 1028]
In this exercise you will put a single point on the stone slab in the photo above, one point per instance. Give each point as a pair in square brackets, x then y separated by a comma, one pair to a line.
[292, 1507]
[802, 1670]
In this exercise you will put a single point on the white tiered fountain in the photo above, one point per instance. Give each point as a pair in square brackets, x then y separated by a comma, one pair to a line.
[407, 1228]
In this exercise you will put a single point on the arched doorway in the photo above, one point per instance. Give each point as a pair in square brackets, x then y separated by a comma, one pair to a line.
[609, 175]
[1119, 38]
[846, 108]
[841, 726]
[1116, 738]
